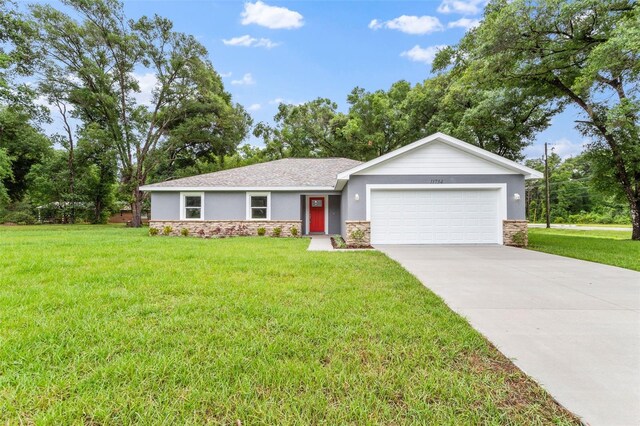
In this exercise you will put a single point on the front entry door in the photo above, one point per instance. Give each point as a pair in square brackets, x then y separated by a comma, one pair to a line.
[316, 214]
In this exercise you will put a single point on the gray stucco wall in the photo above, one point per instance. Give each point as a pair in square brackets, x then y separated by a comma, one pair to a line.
[285, 205]
[222, 205]
[165, 205]
[225, 206]
[344, 205]
[357, 210]
[303, 203]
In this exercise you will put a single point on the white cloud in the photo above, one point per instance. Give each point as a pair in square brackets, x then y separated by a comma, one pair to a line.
[467, 23]
[410, 24]
[254, 107]
[463, 7]
[564, 147]
[226, 74]
[246, 80]
[375, 24]
[278, 101]
[420, 54]
[273, 17]
[147, 83]
[248, 41]
[44, 102]
[567, 148]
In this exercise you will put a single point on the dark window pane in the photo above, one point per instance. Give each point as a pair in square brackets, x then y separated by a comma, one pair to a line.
[193, 213]
[258, 213]
[260, 201]
[193, 201]
[316, 203]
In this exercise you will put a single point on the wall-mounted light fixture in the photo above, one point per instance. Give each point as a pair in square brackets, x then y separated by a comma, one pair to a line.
[357, 197]
[516, 196]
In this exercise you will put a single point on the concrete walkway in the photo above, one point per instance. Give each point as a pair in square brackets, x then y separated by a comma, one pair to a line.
[320, 243]
[581, 228]
[573, 326]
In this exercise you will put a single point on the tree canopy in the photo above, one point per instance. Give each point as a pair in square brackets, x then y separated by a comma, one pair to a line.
[92, 63]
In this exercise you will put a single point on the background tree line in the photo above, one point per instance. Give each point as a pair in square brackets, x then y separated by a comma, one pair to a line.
[500, 86]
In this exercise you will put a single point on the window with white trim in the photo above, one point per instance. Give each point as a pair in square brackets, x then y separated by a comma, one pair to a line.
[258, 205]
[192, 206]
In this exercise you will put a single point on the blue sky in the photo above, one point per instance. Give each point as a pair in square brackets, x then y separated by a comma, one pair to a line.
[295, 51]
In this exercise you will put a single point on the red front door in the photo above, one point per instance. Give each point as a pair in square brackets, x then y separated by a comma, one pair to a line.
[316, 214]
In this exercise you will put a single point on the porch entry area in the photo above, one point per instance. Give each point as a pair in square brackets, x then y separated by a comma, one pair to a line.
[320, 214]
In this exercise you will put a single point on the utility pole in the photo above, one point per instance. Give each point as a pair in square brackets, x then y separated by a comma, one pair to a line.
[546, 183]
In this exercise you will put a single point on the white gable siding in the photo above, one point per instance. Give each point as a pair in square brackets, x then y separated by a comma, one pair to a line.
[436, 158]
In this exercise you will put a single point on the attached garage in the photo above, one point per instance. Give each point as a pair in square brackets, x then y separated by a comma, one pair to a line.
[438, 214]
[438, 190]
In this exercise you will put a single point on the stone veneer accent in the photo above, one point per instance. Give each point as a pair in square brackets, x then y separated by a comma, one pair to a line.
[225, 228]
[512, 227]
[364, 226]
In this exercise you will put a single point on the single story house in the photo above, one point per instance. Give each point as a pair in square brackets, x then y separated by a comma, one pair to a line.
[438, 190]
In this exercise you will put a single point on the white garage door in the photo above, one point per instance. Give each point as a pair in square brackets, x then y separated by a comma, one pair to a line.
[432, 216]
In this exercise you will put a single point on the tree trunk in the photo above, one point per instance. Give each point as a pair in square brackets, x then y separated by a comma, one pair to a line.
[97, 211]
[136, 207]
[635, 220]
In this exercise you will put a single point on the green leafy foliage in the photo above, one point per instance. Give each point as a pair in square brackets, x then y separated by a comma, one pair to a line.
[91, 57]
[575, 194]
[357, 235]
[276, 232]
[24, 146]
[5, 173]
[261, 232]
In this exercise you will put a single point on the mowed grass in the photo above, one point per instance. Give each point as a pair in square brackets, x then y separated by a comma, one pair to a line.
[106, 325]
[609, 247]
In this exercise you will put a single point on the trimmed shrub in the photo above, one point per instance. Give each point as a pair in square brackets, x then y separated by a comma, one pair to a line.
[339, 242]
[293, 231]
[184, 232]
[19, 217]
[357, 235]
[153, 231]
[276, 232]
[261, 232]
[167, 230]
[519, 238]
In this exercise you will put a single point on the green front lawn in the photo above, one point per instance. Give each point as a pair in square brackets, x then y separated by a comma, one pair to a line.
[608, 247]
[104, 325]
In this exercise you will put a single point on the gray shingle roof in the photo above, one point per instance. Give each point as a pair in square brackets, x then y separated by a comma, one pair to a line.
[288, 172]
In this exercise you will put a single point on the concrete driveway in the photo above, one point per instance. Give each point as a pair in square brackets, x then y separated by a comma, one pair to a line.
[573, 326]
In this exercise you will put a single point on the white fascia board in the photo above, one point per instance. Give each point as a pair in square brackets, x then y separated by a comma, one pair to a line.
[449, 140]
[149, 188]
[340, 184]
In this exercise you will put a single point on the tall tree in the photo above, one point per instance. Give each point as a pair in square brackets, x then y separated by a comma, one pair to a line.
[584, 53]
[95, 62]
[17, 59]
[379, 122]
[24, 145]
[5, 173]
[502, 120]
[304, 130]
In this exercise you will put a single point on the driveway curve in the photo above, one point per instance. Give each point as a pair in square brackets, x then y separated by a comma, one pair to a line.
[572, 325]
